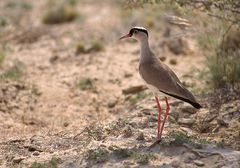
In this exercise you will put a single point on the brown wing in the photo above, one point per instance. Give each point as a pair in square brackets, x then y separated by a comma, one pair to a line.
[162, 77]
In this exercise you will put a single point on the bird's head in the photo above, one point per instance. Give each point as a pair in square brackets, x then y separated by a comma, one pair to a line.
[138, 33]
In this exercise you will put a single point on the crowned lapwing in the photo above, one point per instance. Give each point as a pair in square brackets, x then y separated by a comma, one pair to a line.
[159, 77]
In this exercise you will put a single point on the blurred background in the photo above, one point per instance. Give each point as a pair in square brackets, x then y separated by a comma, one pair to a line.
[64, 71]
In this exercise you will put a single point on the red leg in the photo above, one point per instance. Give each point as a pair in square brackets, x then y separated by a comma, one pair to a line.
[166, 115]
[159, 116]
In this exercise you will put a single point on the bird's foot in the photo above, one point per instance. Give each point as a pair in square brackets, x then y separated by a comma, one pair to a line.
[155, 143]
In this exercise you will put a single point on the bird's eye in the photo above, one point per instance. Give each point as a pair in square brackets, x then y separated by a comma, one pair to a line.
[135, 31]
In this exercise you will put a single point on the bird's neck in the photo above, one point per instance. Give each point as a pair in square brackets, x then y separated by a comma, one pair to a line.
[145, 52]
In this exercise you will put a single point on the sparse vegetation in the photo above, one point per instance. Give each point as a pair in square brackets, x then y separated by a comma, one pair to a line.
[53, 163]
[142, 158]
[80, 48]
[122, 153]
[98, 155]
[96, 133]
[116, 127]
[138, 157]
[207, 43]
[86, 84]
[180, 138]
[94, 46]
[72, 2]
[18, 4]
[35, 90]
[3, 22]
[137, 97]
[225, 69]
[222, 58]
[60, 13]
[79, 98]
[14, 73]
[2, 57]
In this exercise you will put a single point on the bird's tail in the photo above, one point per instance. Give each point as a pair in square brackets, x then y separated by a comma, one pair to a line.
[193, 103]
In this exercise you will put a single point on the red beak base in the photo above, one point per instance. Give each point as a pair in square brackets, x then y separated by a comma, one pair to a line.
[126, 36]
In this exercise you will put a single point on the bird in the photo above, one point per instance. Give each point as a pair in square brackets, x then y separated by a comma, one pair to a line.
[158, 77]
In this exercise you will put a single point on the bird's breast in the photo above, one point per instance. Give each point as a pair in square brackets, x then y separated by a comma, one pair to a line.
[153, 89]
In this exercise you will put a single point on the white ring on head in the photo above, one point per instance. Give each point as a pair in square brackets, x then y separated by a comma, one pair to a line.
[138, 27]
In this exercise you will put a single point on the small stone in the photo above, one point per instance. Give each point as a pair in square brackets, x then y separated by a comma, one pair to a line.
[128, 75]
[189, 109]
[134, 89]
[176, 164]
[140, 137]
[32, 148]
[36, 153]
[198, 163]
[152, 119]
[17, 160]
[189, 157]
[187, 130]
[186, 121]
[54, 58]
[175, 103]
[65, 124]
[221, 122]
[175, 115]
[112, 103]
[127, 132]
[144, 123]
[162, 58]
[173, 61]
[146, 111]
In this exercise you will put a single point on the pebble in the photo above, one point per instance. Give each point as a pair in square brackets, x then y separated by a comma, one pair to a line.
[112, 103]
[221, 122]
[17, 160]
[128, 75]
[144, 123]
[140, 137]
[146, 112]
[35, 153]
[186, 121]
[127, 132]
[173, 61]
[152, 119]
[189, 109]
[53, 58]
[134, 89]
[162, 58]
[198, 163]
[175, 103]
[176, 164]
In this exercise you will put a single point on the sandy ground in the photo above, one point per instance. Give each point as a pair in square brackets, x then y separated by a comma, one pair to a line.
[48, 120]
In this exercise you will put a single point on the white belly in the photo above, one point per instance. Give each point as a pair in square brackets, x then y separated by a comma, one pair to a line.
[152, 88]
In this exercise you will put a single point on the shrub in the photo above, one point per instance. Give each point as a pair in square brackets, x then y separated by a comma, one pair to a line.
[14, 73]
[2, 57]
[224, 68]
[86, 84]
[60, 14]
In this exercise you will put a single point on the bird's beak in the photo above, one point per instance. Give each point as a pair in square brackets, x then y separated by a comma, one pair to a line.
[126, 36]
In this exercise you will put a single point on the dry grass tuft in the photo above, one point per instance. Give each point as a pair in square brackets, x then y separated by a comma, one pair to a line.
[60, 14]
